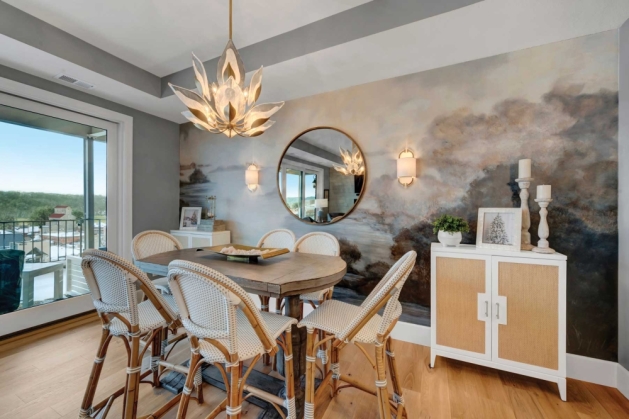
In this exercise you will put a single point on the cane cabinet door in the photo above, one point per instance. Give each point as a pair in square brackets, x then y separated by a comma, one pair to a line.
[461, 304]
[528, 313]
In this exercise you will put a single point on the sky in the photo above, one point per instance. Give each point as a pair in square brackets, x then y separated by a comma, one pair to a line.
[33, 160]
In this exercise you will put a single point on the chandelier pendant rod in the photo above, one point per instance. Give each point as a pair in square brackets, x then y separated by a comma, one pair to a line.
[230, 19]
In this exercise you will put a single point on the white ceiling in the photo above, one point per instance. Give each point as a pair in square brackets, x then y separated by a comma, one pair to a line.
[484, 29]
[158, 36]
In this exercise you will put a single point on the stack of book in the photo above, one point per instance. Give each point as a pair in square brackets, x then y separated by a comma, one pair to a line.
[211, 225]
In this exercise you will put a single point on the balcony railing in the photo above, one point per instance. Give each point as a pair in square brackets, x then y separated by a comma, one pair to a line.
[53, 240]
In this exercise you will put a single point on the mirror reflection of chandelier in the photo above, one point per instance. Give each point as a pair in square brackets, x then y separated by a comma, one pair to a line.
[227, 106]
[353, 161]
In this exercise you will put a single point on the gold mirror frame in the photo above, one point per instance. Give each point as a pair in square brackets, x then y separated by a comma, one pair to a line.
[279, 166]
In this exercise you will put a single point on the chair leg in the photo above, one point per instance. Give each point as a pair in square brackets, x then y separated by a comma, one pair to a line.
[133, 378]
[198, 384]
[395, 380]
[278, 306]
[195, 361]
[311, 360]
[264, 306]
[322, 352]
[381, 384]
[234, 401]
[156, 356]
[288, 367]
[278, 310]
[336, 369]
[92, 382]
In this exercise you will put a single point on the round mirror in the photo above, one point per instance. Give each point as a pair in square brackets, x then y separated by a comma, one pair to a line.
[321, 175]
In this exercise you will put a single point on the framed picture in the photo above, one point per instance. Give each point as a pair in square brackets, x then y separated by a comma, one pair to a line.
[190, 218]
[499, 228]
[326, 194]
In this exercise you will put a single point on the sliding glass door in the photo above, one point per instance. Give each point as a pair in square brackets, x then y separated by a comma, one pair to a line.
[300, 185]
[53, 206]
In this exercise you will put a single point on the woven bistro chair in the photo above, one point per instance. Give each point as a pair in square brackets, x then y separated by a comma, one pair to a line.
[152, 242]
[279, 239]
[345, 323]
[225, 327]
[320, 244]
[112, 282]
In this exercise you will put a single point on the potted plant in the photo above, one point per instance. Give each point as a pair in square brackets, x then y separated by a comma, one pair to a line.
[449, 229]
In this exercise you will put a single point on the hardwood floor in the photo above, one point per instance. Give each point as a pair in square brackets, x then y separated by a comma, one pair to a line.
[45, 378]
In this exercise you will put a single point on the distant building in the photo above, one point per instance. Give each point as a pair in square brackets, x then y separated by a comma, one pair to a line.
[62, 212]
[11, 239]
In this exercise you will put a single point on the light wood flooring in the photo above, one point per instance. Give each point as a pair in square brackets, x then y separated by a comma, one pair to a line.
[45, 376]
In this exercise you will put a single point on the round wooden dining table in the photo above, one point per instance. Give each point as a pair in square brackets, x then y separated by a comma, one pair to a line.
[286, 276]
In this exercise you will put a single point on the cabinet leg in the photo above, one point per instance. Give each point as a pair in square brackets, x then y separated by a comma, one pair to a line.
[563, 390]
[433, 357]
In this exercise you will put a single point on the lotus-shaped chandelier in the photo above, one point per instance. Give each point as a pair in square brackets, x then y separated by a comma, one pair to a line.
[353, 161]
[227, 106]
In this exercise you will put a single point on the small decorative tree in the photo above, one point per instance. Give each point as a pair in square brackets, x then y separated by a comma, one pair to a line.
[497, 231]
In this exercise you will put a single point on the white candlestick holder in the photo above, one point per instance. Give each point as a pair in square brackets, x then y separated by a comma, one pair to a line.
[543, 231]
[524, 184]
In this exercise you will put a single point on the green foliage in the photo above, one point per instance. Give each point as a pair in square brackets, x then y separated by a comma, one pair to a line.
[42, 213]
[450, 224]
[78, 214]
[21, 205]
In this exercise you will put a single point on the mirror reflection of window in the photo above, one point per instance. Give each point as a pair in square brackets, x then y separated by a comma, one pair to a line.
[317, 161]
[293, 191]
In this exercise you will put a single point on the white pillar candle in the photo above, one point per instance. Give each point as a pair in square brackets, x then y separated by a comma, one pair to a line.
[524, 169]
[543, 191]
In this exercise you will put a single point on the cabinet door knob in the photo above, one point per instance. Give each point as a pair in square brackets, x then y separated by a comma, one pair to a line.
[498, 311]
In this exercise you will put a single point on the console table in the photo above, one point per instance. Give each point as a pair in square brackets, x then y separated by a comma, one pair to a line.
[192, 238]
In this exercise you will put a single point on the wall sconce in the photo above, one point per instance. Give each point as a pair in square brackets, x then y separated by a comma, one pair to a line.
[251, 177]
[406, 167]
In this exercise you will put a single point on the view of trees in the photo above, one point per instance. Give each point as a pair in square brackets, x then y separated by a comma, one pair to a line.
[41, 213]
[38, 205]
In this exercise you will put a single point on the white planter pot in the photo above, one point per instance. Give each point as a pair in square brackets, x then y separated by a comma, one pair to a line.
[449, 239]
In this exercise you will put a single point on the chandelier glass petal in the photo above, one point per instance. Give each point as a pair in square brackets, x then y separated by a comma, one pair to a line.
[227, 106]
[353, 163]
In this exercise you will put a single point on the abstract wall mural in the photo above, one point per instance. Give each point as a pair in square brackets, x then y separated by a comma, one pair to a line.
[468, 124]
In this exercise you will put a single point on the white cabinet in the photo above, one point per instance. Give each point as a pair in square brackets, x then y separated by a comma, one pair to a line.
[505, 310]
[190, 239]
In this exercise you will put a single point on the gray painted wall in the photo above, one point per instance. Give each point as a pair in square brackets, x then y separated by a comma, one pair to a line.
[623, 199]
[341, 192]
[155, 156]
[29, 30]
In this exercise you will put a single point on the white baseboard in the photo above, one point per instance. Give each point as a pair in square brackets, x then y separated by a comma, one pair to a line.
[623, 381]
[578, 367]
[412, 333]
[592, 370]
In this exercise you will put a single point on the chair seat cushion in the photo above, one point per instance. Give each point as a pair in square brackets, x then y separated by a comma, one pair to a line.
[150, 318]
[248, 343]
[315, 296]
[162, 285]
[334, 316]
